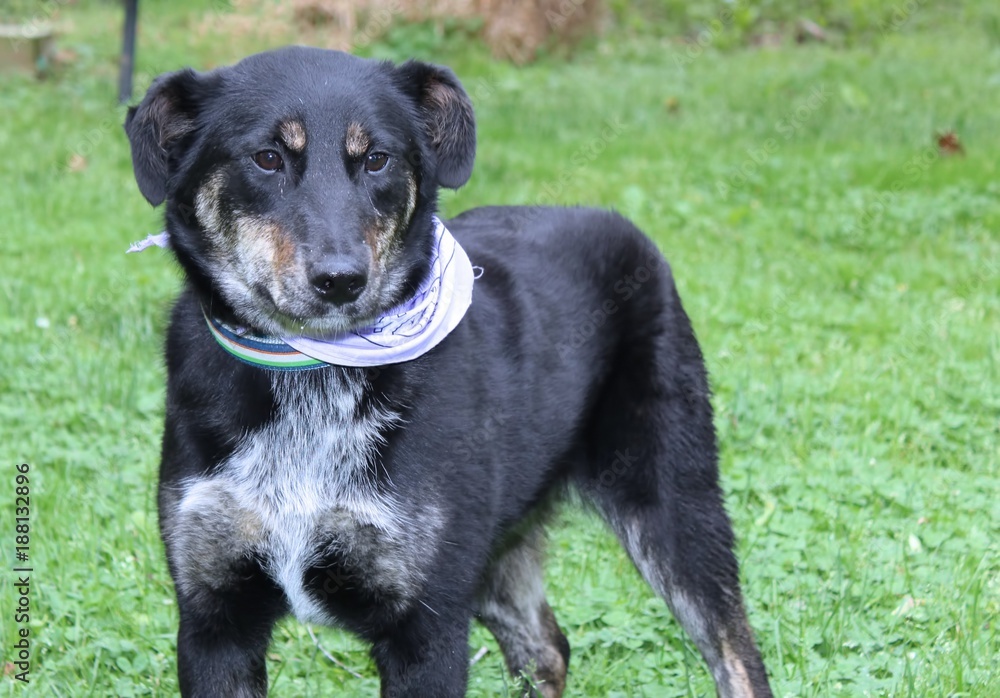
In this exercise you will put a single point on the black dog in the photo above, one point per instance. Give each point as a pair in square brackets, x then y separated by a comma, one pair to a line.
[401, 497]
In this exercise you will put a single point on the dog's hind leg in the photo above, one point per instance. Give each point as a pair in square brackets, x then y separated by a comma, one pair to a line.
[698, 579]
[653, 474]
[512, 605]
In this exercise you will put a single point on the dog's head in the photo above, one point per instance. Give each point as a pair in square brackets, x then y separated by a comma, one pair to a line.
[300, 183]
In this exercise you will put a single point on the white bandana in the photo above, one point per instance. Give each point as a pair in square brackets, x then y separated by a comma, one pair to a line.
[404, 333]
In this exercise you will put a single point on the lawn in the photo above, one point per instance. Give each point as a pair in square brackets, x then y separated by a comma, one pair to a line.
[842, 273]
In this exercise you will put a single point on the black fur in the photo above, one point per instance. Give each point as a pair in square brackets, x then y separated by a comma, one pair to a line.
[576, 365]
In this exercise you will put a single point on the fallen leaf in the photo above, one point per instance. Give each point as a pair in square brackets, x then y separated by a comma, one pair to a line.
[906, 605]
[77, 163]
[806, 30]
[64, 56]
[948, 144]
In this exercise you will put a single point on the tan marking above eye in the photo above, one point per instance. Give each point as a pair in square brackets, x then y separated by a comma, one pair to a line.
[357, 141]
[293, 135]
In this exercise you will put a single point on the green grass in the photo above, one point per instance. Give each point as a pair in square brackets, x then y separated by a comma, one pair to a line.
[843, 278]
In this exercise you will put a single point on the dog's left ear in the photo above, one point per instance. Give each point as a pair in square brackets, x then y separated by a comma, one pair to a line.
[448, 118]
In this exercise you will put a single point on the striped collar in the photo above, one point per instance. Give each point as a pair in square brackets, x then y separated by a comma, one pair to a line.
[256, 350]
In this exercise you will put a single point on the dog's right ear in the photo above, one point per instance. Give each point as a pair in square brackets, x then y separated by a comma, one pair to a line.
[165, 115]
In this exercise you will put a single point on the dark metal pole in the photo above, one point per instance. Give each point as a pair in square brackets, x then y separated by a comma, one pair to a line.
[128, 51]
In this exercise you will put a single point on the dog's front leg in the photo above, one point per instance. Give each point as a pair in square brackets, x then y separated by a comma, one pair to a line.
[224, 635]
[222, 653]
[427, 654]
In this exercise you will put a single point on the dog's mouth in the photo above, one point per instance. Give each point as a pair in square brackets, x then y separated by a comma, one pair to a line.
[296, 317]
[280, 311]
[321, 327]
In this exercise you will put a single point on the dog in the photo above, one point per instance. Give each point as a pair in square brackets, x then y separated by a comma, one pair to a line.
[370, 412]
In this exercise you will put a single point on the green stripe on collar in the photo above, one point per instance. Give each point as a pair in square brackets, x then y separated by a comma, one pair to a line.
[262, 352]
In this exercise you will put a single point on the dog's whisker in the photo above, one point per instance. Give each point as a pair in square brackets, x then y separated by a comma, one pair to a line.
[368, 192]
[329, 656]
[425, 605]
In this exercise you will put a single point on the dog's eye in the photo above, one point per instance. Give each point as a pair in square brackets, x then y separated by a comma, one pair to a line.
[268, 160]
[376, 161]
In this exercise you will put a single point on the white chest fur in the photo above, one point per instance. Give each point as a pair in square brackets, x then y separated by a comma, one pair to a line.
[299, 488]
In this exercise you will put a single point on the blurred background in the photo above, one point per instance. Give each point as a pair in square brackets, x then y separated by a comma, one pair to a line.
[823, 177]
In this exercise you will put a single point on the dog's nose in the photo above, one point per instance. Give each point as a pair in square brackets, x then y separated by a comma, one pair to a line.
[338, 282]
